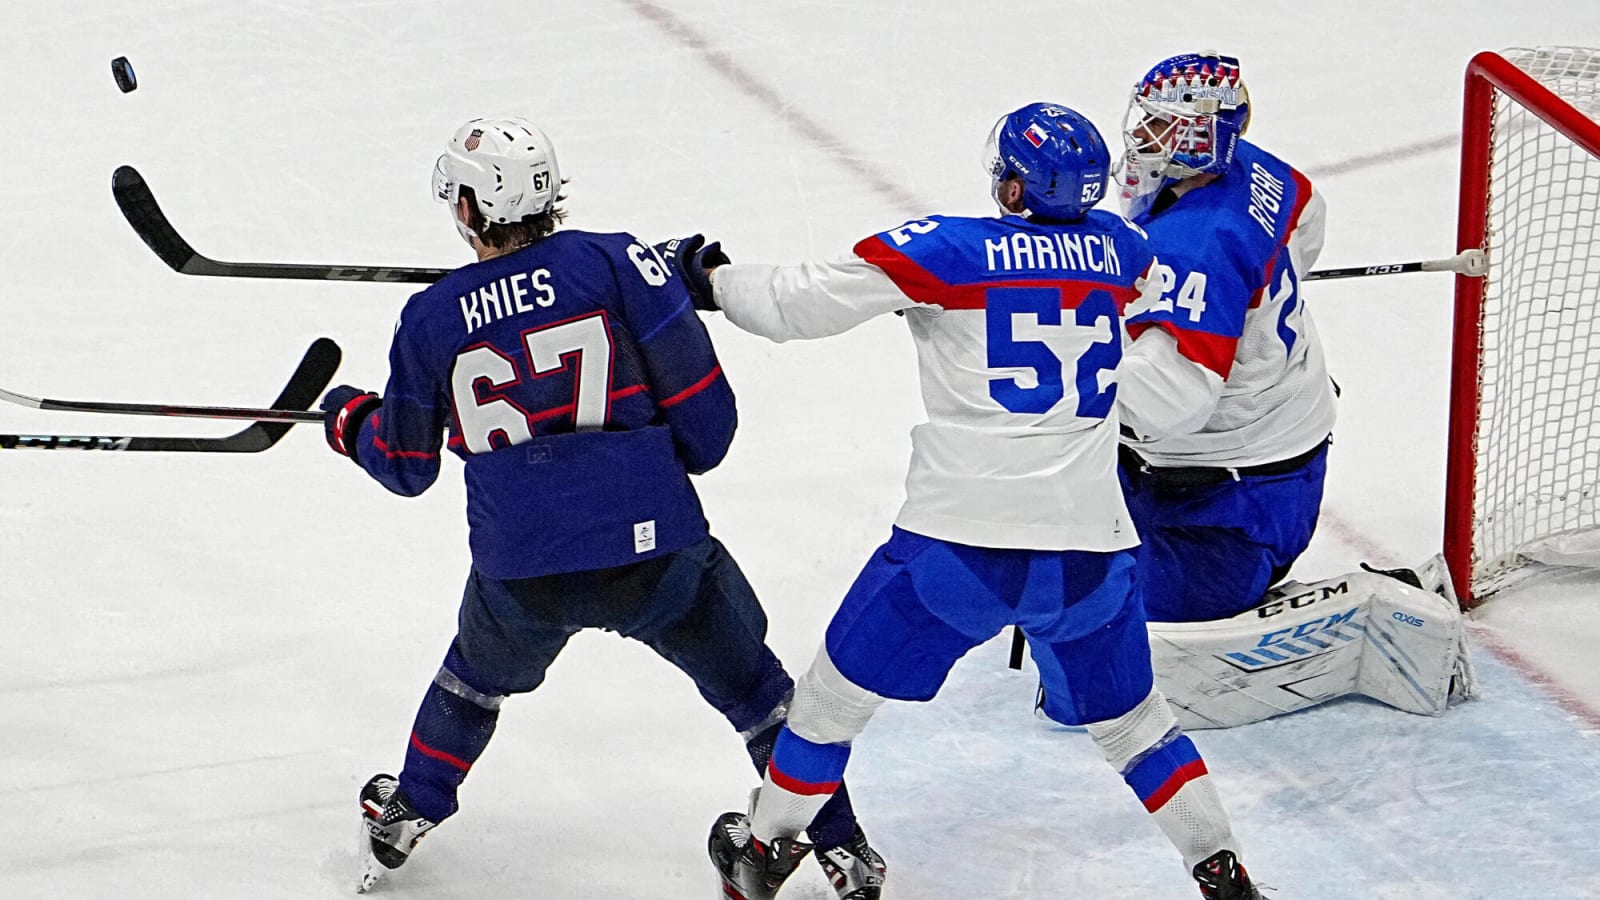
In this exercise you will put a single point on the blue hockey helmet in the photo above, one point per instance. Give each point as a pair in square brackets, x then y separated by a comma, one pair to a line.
[1184, 118]
[1059, 155]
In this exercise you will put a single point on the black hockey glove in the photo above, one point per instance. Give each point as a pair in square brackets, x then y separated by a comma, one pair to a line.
[344, 409]
[690, 257]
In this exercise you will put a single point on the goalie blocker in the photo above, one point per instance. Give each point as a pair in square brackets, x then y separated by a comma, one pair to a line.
[1398, 638]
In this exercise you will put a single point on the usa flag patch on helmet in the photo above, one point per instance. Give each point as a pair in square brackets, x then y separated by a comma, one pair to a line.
[1035, 135]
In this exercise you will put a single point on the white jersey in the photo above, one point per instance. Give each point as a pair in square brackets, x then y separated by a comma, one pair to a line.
[1226, 368]
[1018, 333]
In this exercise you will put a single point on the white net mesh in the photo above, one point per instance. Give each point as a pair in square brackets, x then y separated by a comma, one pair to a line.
[1538, 430]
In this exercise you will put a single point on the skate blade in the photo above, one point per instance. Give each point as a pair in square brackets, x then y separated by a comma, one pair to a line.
[371, 872]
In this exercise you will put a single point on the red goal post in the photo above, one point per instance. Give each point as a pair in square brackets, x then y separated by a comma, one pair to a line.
[1523, 469]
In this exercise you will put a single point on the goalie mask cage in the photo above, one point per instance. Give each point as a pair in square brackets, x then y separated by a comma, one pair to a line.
[1524, 442]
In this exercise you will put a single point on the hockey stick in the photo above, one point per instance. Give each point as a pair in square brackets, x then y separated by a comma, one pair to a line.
[310, 377]
[1468, 262]
[274, 414]
[139, 207]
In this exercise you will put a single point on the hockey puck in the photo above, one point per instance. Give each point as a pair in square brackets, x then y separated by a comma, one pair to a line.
[122, 71]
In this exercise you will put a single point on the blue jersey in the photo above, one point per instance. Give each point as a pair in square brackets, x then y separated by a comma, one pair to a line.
[576, 381]
[1233, 254]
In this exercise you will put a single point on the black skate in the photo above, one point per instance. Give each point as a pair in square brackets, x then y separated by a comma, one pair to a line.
[751, 870]
[855, 870]
[1222, 878]
[392, 829]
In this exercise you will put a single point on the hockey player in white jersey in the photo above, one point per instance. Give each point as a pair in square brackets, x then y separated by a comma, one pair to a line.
[1013, 513]
[1227, 410]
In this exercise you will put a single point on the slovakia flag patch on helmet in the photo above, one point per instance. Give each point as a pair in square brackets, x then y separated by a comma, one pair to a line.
[1035, 135]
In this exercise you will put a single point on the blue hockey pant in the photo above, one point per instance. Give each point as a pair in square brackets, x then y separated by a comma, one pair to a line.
[920, 604]
[693, 607]
[1210, 551]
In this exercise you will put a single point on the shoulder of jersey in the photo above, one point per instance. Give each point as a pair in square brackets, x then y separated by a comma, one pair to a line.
[1113, 223]
[472, 274]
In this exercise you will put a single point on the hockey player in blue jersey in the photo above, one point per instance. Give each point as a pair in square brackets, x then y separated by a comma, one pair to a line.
[1225, 391]
[1013, 513]
[1228, 408]
[572, 375]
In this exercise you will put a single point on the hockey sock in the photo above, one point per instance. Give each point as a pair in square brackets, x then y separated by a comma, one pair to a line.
[451, 730]
[1166, 772]
[800, 779]
[835, 824]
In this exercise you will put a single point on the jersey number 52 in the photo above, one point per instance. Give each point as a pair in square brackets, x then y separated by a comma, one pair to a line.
[1097, 310]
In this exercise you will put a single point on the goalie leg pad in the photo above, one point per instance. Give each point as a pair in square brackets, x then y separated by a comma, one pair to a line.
[1363, 633]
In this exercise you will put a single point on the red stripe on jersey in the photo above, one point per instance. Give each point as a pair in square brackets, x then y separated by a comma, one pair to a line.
[692, 389]
[923, 286]
[796, 786]
[1214, 351]
[912, 279]
[569, 408]
[1180, 777]
[1302, 196]
[431, 753]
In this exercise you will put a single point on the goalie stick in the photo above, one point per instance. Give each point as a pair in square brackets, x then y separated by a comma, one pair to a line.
[1468, 262]
[305, 386]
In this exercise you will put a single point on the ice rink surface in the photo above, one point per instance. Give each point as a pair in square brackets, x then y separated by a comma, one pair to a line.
[204, 656]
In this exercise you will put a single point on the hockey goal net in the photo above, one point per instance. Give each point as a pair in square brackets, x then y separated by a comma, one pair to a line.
[1523, 477]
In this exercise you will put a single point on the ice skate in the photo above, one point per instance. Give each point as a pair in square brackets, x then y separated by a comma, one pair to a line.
[390, 829]
[752, 870]
[855, 870]
[1221, 877]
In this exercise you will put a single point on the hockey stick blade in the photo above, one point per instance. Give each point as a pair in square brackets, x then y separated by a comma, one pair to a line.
[139, 207]
[304, 388]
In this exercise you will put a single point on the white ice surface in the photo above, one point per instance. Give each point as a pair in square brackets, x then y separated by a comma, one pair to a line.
[202, 657]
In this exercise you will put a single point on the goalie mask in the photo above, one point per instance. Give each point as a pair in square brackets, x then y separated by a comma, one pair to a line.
[1184, 119]
[508, 163]
[1059, 155]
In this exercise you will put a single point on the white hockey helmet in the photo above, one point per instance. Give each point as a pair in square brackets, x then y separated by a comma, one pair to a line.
[508, 163]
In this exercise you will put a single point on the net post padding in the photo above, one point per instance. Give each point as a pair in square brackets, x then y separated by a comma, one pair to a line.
[1524, 445]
